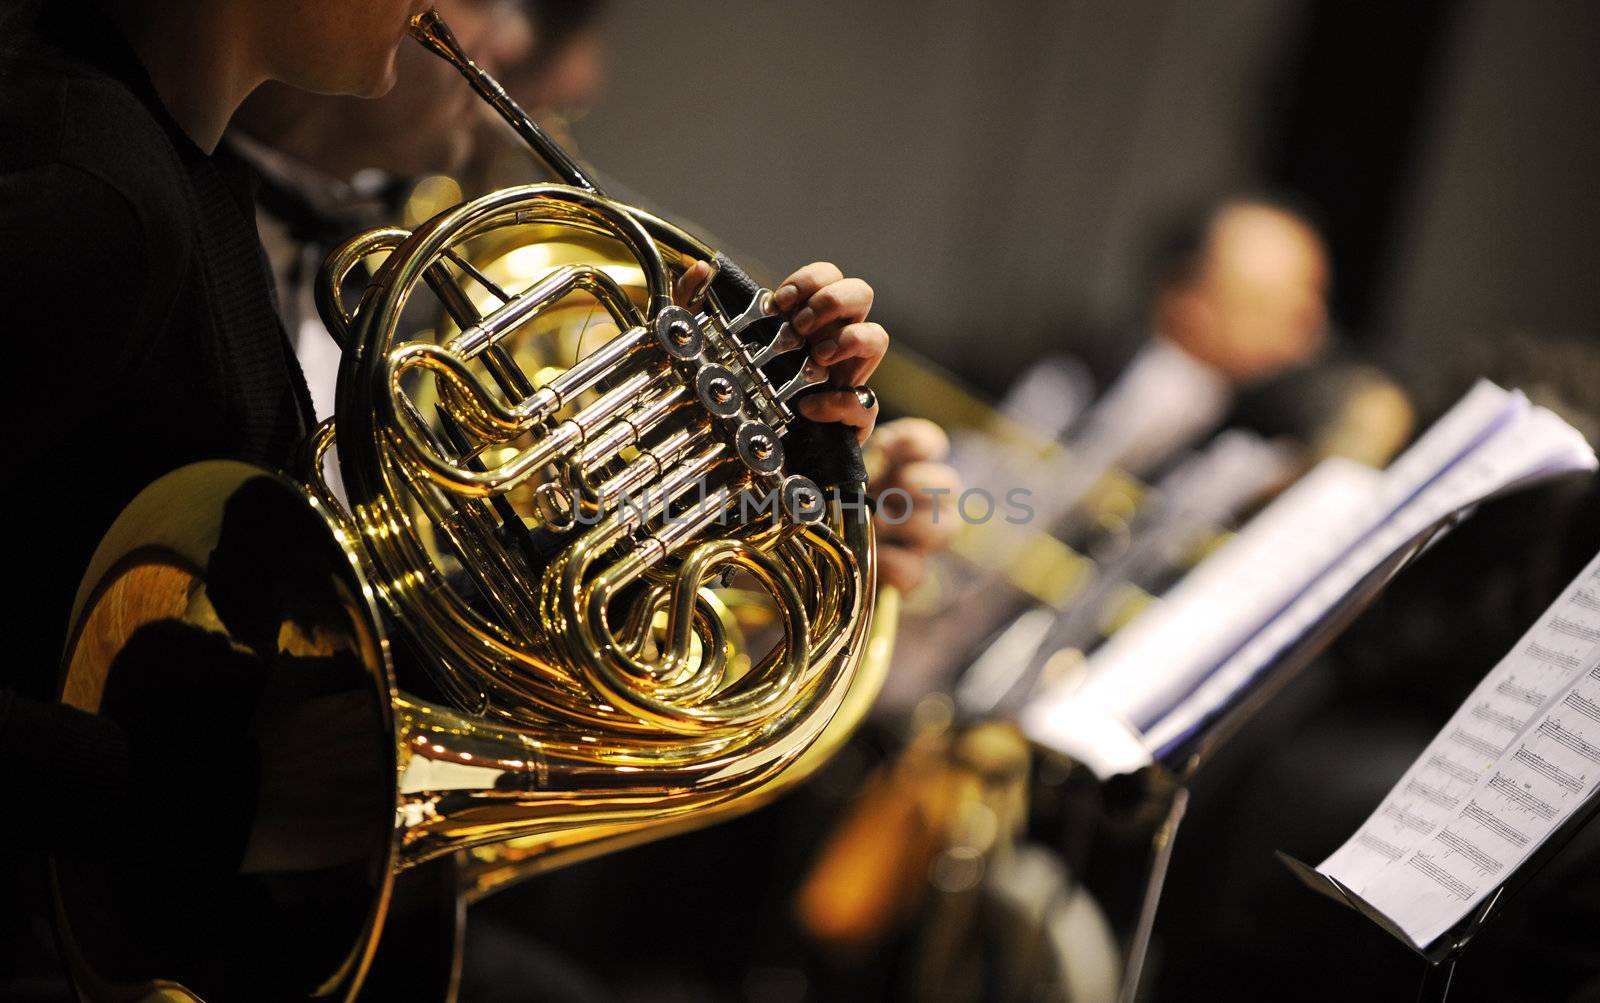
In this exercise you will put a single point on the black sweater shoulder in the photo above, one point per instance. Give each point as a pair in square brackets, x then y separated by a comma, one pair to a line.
[92, 208]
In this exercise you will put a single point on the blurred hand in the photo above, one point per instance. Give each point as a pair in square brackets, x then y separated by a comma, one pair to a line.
[830, 312]
[916, 498]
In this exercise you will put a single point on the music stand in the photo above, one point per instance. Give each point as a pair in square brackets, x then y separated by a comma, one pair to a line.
[1445, 951]
[1179, 765]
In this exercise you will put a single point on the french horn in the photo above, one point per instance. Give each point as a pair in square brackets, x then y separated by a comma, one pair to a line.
[347, 688]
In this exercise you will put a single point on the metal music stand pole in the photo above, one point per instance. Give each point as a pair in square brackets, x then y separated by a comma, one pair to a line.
[1161, 860]
[1436, 979]
[1184, 761]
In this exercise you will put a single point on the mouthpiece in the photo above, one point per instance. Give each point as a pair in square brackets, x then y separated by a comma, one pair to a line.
[429, 29]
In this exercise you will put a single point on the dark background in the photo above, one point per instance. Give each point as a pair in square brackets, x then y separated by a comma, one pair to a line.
[995, 169]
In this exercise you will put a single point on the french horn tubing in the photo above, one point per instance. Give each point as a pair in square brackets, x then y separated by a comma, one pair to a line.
[357, 682]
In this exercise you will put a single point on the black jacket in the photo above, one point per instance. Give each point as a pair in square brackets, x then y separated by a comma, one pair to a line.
[142, 333]
[140, 336]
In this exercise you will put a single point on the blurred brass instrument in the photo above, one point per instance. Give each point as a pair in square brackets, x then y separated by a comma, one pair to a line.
[970, 843]
[572, 682]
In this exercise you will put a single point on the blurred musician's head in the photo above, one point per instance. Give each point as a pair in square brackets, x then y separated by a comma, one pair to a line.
[1243, 287]
[557, 84]
[425, 125]
[567, 71]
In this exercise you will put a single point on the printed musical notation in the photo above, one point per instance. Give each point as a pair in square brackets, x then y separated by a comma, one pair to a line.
[1511, 766]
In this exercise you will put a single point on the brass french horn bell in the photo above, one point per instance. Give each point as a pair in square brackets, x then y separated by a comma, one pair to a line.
[332, 692]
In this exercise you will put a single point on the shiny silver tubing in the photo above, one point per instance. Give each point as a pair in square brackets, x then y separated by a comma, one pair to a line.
[558, 284]
[630, 430]
[652, 463]
[495, 422]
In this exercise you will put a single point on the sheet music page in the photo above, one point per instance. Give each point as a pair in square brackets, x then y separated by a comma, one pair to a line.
[1174, 668]
[1160, 655]
[1484, 411]
[1160, 659]
[1182, 513]
[1536, 443]
[1519, 756]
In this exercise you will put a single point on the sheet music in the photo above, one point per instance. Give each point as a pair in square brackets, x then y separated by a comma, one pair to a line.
[1162, 654]
[1160, 659]
[1535, 442]
[1519, 756]
[1204, 494]
[1484, 411]
[1176, 667]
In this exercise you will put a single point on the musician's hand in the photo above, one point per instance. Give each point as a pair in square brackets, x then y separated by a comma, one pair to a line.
[916, 493]
[830, 312]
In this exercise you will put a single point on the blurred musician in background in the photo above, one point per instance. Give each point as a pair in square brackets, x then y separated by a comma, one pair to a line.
[1234, 338]
[1238, 295]
[1235, 388]
[562, 79]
